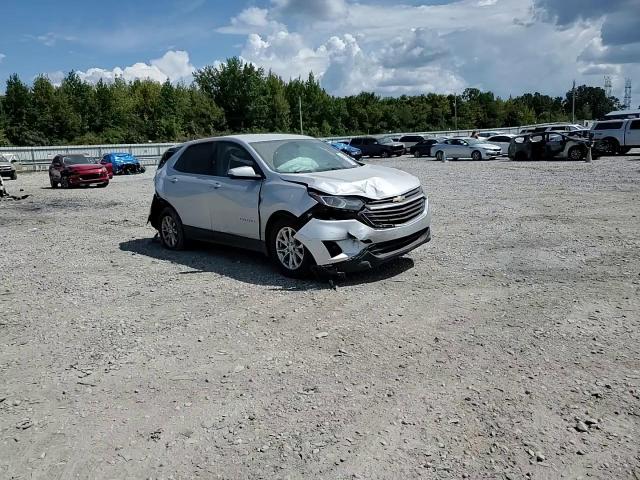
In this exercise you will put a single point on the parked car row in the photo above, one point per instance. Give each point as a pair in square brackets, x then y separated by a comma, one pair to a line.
[79, 170]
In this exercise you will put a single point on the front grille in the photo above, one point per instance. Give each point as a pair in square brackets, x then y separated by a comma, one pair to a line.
[385, 248]
[89, 176]
[386, 213]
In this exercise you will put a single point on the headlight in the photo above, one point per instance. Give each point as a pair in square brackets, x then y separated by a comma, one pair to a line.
[342, 203]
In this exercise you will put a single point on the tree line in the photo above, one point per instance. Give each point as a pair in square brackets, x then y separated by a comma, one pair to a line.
[236, 97]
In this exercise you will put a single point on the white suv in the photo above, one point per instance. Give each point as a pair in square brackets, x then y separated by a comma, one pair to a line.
[295, 198]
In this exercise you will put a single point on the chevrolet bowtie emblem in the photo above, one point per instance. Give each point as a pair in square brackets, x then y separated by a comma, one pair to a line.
[398, 199]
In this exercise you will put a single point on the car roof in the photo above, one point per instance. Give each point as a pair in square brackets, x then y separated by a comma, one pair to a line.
[254, 137]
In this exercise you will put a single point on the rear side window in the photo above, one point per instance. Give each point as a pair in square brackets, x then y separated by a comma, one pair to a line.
[608, 126]
[199, 159]
[635, 125]
[356, 141]
[167, 155]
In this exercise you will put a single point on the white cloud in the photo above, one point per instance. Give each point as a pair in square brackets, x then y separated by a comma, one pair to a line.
[51, 38]
[173, 65]
[2, 57]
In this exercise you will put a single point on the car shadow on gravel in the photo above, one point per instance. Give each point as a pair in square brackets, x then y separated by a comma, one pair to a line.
[253, 267]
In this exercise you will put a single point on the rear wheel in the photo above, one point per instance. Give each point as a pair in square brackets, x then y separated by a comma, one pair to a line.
[384, 154]
[440, 155]
[476, 155]
[289, 254]
[416, 154]
[576, 153]
[171, 230]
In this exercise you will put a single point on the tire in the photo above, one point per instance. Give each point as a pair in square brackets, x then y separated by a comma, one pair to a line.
[576, 153]
[285, 250]
[103, 185]
[476, 156]
[64, 183]
[384, 154]
[440, 156]
[53, 183]
[610, 146]
[416, 154]
[623, 150]
[171, 231]
[14, 176]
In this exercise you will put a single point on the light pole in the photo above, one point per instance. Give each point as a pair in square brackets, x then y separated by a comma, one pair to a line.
[300, 112]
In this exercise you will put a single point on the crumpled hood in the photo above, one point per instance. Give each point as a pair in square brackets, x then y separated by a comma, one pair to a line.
[370, 181]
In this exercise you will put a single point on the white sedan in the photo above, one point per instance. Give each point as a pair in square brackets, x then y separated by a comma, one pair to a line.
[473, 148]
[503, 140]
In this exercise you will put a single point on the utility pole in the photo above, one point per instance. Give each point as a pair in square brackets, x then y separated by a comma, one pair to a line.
[455, 109]
[300, 112]
[608, 88]
[573, 103]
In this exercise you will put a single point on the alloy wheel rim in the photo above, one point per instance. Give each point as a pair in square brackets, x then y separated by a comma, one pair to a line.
[476, 156]
[169, 231]
[575, 154]
[289, 250]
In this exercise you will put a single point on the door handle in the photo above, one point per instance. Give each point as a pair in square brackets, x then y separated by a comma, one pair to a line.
[173, 180]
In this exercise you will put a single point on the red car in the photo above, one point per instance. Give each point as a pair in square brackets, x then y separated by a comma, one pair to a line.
[108, 165]
[77, 170]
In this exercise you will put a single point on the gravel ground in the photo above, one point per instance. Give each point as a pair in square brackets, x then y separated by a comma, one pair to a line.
[506, 348]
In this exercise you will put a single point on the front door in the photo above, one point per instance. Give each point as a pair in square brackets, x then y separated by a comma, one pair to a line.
[633, 134]
[234, 202]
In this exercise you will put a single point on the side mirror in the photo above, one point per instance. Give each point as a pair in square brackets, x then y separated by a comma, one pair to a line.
[246, 173]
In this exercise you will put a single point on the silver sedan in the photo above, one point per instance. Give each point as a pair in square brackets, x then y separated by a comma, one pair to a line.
[473, 148]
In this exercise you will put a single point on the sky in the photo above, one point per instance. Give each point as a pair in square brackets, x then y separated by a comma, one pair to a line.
[392, 48]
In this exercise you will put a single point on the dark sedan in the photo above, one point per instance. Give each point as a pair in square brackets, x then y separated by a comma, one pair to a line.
[423, 148]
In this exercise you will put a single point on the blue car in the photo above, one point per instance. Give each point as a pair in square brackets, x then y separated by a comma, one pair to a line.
[122, 163]
[353, 152]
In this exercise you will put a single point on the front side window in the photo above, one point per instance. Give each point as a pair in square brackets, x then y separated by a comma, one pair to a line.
[608, 126]
[198, 159]
[635, 125]
[302, 156]
[231, 155]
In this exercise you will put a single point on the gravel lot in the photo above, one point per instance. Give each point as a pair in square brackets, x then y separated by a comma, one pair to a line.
[507, 348]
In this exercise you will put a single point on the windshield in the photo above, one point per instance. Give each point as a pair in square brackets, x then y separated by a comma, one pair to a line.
[77, 160]
[302, 156]
[386, 140]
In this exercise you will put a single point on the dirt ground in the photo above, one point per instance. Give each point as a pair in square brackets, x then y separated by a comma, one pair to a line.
[506, 348]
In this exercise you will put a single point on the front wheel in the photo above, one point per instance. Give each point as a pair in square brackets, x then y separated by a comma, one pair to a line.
[54, 183]
[64, 183]
[14, 176]
[289, 254]
[416, 154]
[102, 185]
[171, 231]
[476, 155]
[609, 146]
[440, 156]
[384, 154]
[576, 153]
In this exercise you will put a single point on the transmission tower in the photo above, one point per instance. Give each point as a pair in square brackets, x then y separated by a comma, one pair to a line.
[627, 94]
[608, 88]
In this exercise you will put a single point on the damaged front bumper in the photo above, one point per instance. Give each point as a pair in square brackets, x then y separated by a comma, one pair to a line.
[350, 245]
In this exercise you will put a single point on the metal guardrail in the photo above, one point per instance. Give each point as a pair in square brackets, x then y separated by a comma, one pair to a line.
[39, 158]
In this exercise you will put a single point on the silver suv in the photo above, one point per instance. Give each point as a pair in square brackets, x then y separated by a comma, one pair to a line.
[294, 198]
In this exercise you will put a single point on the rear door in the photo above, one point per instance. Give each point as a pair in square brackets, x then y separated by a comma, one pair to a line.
[633, 134]
[189, 183]
[233, 203]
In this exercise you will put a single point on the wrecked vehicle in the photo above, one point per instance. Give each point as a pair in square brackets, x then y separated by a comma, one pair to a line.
[76, 170]
[122, 163]
[8, 163]
[295, 198]
[550, 146]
